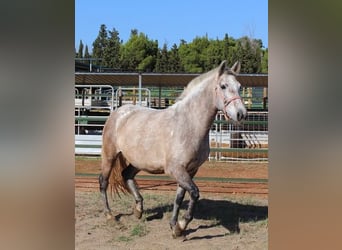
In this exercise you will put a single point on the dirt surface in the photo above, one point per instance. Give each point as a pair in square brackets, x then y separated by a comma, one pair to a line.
[221, 221]
[208, 169]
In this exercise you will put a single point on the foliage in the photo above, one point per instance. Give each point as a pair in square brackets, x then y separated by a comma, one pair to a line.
[100, 42]
[80, 50]
[142, 54]
[138, 53]
[111, 52]
[264, 61]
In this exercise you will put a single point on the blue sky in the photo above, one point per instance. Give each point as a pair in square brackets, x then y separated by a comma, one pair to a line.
[170, 21]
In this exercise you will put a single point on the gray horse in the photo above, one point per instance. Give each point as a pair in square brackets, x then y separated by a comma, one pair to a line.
[174, 141]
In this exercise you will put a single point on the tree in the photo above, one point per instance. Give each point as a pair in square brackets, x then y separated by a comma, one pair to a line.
[100, 42]
[111, 53]
[174, 61]
[86, 54]
[138, 53]
[214, 54]
[80, 50]
[249, 53]
[194, 55]
[229, 49]
[162, 60]
[264, 61]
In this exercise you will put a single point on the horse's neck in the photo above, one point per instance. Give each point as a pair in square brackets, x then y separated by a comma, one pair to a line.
[199, 110]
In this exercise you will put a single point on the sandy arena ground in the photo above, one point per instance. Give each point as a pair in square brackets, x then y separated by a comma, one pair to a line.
[221, 221]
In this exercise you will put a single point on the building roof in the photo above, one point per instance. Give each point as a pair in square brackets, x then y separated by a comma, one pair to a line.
[157, 79]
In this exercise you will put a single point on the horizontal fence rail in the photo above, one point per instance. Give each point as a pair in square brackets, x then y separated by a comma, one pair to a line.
[227, 142]
[232, 142]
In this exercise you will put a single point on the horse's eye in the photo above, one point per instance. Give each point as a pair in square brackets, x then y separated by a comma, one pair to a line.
[223, 86]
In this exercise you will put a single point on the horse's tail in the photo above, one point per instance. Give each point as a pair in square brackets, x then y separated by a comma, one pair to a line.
[116, 180]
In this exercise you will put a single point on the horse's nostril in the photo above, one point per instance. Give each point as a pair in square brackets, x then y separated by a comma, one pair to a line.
[239, 115]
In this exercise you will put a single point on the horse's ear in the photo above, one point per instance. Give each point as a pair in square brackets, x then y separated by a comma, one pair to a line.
[222, 67]
[236, 67]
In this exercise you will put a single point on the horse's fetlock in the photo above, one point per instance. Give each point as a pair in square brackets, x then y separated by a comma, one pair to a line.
[172, 224]
[194, 195]
[139, 206]
[187, 218]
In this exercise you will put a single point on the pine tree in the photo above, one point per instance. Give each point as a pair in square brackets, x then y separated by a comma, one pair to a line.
[80, 50]
[229, 49]
[193, 55]
[249, 53]
[139, 53]
[200, 55]
[100, 43]
[214, 54]
[111, 53]
[264, 61]
[163, 60]
[174, 60]
[86, 54]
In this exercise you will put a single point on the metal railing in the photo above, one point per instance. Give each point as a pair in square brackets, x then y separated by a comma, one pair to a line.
[246, 142]
[228, 142]
[140, 96]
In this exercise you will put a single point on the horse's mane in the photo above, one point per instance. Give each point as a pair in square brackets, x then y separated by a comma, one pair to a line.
[200, 79]
[194, 83]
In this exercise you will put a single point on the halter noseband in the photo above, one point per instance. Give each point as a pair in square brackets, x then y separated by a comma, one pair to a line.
[226, 101]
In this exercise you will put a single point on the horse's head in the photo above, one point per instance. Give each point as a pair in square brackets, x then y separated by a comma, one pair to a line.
[227, 96]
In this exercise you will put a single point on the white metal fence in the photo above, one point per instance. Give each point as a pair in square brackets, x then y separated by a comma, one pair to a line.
[247, 141]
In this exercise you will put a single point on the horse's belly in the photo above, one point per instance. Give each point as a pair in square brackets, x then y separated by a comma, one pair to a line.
[146, 162]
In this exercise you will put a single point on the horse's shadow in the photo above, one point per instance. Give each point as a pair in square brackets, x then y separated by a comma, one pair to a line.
[220, 212]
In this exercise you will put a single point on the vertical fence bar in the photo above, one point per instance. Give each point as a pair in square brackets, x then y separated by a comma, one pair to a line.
[140, 85]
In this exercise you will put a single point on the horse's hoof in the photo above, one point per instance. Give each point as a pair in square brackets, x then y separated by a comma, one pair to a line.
[109, 215]
[137, 213]
[176, 231]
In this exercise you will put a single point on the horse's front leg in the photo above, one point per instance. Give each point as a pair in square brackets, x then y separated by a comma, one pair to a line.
[185, 182]
[189, 215]
[178, 201]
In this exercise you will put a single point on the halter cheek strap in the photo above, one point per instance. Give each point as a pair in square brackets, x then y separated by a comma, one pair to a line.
[226, 101]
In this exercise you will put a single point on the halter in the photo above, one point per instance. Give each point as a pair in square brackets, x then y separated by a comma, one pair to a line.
[226, 101]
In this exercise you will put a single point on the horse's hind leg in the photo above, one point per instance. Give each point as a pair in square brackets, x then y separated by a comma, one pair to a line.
[129, 174]
[107, 164]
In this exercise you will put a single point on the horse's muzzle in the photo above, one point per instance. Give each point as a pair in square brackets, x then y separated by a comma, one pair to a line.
[241, 115]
